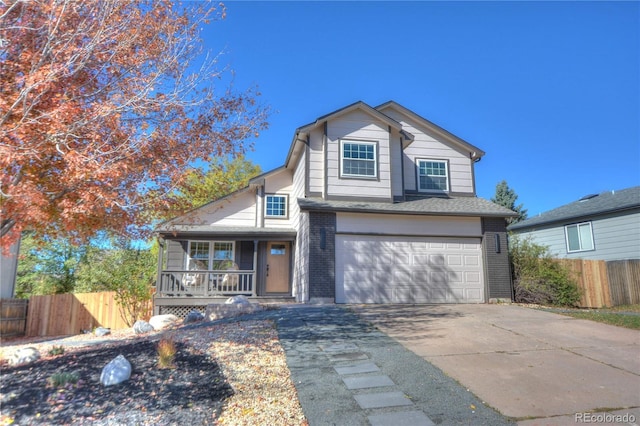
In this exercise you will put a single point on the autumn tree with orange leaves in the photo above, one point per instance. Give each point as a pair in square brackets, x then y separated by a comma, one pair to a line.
[104, 106]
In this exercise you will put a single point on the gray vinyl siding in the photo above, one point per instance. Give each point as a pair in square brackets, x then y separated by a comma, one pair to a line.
[176, 251]
[615, 237]
[316, 162]
[300, 221]
[358, 126]
[426, 146]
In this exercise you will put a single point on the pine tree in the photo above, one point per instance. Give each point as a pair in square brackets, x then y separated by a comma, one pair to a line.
[507, 197]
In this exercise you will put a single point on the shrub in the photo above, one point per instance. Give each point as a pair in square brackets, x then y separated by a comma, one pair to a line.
[56, 350]
[62, 378]
[537, 277]
[166, 352]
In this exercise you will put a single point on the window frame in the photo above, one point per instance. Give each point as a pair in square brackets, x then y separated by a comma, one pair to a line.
[286, 206]
[577, 226]
[447, 176]
[211, 258]
[375, 161]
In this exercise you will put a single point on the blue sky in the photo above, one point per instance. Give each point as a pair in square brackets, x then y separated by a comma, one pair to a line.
[549, 90]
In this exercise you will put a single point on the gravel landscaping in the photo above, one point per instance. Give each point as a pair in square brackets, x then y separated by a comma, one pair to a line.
[233, 374]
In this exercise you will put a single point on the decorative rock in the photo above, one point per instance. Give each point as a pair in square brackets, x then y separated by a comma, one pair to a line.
[102, 331]
[117, 371]
[193, 316]
[238, 300]
[24, 356]
[160, 322]
[141, 327]
[230, 310]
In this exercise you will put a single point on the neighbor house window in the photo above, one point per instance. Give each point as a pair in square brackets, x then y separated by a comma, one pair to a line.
[433, 175]
[206, 255]
[276, 206]
[359, 159]
[579, 237]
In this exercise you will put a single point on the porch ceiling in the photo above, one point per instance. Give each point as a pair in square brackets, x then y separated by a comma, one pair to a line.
[230, 232]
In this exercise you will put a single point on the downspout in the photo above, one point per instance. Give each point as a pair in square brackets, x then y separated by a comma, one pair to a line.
[326, 161]
[404, 189]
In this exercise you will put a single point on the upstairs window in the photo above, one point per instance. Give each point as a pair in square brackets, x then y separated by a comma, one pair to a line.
[276, 206]
[579, 237]
[359, 159]
[433, 176]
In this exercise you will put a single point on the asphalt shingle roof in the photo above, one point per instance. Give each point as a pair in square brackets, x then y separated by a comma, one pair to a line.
[223, 230]
[596, 204]
[455, 206]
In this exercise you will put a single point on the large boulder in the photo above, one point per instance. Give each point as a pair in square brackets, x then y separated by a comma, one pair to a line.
[24, 356]
[238, 300]
[193, 316]
[116, 371]
[101, 331]
[233, 307]
[141, 327]
[160, 322]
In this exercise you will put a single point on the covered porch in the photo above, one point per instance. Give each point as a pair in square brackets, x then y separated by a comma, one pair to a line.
[197, 268]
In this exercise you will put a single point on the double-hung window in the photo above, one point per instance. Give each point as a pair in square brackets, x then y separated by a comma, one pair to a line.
[276, 206]
[579, 237]
[210, 255]
[433, 176]
[358, 159]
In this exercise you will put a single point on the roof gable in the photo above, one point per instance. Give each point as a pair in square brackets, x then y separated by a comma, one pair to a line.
[374, 113]
[606, 202]
[476, 152]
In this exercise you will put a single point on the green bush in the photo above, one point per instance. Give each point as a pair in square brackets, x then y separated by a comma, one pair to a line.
[60, 379]
[537, 277]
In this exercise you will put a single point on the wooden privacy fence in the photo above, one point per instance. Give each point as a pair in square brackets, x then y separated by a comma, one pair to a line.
[624, 281]
[65, 314]
[13, 317]
[603, 284]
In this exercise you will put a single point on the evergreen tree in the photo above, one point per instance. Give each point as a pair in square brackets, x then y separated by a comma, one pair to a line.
[507, 197]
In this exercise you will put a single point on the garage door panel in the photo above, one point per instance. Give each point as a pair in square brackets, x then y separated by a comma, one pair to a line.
[377, 269]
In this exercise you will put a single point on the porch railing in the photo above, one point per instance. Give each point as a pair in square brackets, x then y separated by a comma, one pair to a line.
[206, 283]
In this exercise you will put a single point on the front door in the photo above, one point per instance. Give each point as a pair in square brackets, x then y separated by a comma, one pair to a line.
[277, 267]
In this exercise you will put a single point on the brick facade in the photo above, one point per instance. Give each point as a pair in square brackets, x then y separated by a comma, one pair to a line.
[496, 259]
[322, 250]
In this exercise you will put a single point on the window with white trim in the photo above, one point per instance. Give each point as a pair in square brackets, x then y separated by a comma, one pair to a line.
[579, 237]
[210, 255]
[276, 206]
[433, 175]
[358, 159]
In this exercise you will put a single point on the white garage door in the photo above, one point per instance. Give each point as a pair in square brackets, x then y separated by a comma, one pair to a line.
[376, 269]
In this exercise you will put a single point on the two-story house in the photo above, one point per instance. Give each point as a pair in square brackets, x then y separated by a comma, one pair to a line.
[372, 205]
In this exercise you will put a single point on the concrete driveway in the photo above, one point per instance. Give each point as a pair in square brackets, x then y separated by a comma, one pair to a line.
[525, 363]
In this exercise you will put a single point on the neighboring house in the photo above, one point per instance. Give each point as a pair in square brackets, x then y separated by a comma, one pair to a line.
[602, 226]
[372, 205]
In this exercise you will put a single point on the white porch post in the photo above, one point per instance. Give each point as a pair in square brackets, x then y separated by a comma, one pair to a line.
[254, 287]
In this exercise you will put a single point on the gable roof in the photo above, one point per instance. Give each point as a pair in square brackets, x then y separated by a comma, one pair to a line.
[590, 205]
[434, 206]
[303, 130]
[476, 152]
